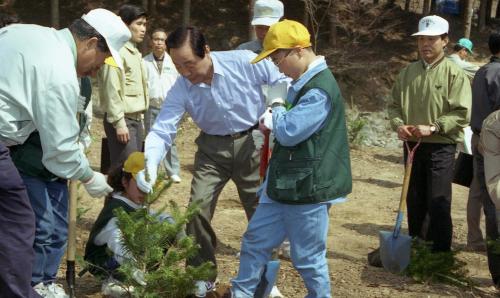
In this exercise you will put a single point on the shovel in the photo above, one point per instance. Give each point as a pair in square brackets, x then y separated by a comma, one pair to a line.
[268, 277]
[395, 248]
[70, 258]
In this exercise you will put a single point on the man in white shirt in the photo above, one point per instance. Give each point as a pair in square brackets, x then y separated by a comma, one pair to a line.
[161, 74]
[39, 94]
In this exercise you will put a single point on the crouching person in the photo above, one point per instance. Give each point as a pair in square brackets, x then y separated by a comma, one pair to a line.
[309, 169]
[105, 251]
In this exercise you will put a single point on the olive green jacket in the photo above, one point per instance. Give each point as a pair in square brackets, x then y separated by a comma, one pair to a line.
[124, 91]
[438, 95]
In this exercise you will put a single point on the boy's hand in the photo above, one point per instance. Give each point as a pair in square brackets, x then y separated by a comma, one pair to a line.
[421, 131]
[266, 121]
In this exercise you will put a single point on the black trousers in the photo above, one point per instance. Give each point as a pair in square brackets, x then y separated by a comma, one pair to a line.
[119, 152]
[429, 194]
[17, 232]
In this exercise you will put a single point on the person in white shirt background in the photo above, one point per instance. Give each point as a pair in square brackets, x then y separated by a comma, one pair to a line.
[161, 74]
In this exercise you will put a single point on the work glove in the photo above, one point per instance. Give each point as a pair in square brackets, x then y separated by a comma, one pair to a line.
[97, 186]
[142, 184]
[139, 277]
[276, 93]
[266, 121]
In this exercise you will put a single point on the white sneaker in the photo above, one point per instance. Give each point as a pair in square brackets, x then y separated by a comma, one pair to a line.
[203, 287]
[175, 178]
[51, 290]
[275, 293]
[41, 289]
[115, 289]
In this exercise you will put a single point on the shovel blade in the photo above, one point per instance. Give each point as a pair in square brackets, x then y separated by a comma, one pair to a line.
[394, 251]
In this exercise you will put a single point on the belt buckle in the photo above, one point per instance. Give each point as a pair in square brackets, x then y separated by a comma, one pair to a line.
[236, 135]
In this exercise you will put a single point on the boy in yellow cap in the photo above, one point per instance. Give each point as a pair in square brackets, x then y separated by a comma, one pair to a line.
[309, 169]
[105, 236]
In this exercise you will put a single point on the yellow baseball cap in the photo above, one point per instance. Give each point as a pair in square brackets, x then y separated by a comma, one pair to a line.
[286, 34]
[134, 163]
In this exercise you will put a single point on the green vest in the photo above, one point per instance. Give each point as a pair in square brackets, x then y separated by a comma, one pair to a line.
[318, 169]
[97, 255]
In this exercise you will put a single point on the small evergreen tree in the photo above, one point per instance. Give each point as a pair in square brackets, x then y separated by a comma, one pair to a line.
[159, 249]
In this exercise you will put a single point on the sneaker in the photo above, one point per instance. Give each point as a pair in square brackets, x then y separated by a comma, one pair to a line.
[175, 179]
[275, 293]
[41, 289]
[203, 287]
[115, 289]
[51, 290]
[57, 291]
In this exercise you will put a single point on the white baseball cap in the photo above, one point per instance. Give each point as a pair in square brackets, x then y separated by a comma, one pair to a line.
[112, 28]
[267, 12]
[432, 26]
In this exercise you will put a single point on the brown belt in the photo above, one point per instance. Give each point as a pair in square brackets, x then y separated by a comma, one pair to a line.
[137, 116]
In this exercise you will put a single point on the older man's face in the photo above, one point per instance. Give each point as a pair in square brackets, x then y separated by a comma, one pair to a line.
[431, 48]
[190, 66]
[89, 57]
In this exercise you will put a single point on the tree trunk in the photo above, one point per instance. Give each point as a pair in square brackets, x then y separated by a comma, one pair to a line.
[152, 8]
[54, 13]
[251, 32]
[427, 7]
[482, 15]
[186, 12]
[468, 10]
[407, 5]
[332, 19]
[489, 4]
[433, 7]
[145, 4]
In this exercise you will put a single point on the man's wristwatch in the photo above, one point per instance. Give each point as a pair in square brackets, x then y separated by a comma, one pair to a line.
[433, 129]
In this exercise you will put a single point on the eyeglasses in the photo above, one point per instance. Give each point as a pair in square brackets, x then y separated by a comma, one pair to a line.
[278, 62]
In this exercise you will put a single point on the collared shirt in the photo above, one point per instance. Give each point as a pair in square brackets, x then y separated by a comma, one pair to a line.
[39, 91]
[160, 80]
[123, 91]
[232, 102]
[469, 68]
[253, 45]
[304, 119]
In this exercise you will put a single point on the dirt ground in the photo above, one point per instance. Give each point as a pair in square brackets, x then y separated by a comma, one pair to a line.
[354, 226]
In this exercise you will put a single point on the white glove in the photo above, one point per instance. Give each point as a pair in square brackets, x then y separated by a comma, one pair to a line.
[138, 276]
[97, 186]
[266, 121]
[145, 186]
[277, 91]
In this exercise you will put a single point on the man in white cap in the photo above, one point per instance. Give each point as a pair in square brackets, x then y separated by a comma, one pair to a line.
[431, 103]
[39, 95]
[265, 14]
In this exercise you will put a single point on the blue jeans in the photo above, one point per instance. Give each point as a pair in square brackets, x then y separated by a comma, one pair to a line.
[306, 226]
[171, 161]
[49, 201]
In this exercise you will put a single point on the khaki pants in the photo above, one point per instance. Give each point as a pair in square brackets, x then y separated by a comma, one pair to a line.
[218, 159]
